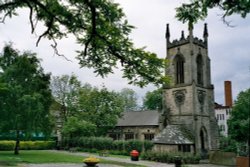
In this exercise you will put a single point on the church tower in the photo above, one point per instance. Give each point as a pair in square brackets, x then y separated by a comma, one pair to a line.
[189, 98]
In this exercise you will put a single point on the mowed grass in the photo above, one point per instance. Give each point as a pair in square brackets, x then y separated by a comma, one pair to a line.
[8, 158]
[38, 156]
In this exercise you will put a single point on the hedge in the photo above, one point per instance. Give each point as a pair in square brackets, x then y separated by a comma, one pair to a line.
[104, 143]
[27, 145]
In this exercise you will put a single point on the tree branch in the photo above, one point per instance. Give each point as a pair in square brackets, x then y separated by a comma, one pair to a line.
[56, 50]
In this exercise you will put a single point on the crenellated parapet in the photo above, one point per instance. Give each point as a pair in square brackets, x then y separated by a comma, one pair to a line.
[185, 40]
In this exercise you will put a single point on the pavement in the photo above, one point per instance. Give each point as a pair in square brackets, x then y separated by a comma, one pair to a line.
[126, 160]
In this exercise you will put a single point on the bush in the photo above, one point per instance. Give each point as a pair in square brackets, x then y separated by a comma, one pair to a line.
[7, 145]
[104, 143]
[99, 143]
[28, 145]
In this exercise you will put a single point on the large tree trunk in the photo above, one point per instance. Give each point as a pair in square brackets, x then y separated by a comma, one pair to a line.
[16, 152]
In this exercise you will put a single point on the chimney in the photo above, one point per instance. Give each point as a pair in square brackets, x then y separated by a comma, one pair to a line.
[228, 94]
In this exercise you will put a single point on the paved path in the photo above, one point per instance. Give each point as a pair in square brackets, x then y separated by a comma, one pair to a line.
[126, 160]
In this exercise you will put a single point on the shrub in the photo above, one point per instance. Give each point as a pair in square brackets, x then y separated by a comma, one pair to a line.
[28, 145]
[118, 145]
[7, 145]
[104, 143]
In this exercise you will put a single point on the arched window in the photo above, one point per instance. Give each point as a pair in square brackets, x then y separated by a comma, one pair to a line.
[179, 69]
[199, 70]
[203, 139]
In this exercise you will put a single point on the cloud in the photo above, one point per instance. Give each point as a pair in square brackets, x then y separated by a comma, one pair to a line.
[228, 47]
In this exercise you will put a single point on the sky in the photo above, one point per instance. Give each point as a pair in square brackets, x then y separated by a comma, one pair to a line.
[228, 47]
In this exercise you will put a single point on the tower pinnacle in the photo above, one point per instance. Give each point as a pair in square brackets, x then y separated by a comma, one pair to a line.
[205, 33]
[167, 33]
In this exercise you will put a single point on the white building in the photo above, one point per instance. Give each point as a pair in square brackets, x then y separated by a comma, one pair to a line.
[222, 113]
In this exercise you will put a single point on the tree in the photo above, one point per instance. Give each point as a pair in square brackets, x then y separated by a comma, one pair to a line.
[153, 100]
[196, 9]
[100, 27]
[65, 90]
[239, 121]
[101, 107]
[129, 98]
[74, 127]
[25, 95]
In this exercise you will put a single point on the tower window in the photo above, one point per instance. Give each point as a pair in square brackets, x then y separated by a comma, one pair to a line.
[199, 70]
[179, 69]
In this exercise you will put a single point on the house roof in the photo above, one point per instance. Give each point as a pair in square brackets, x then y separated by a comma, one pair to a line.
[139, 118]
[219, 106]
[173, 134]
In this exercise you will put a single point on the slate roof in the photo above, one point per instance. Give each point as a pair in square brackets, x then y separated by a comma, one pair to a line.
[139, 118]
[173, 134]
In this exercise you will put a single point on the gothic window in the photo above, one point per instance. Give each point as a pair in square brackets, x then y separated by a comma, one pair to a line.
[199, 70]
[179, 69]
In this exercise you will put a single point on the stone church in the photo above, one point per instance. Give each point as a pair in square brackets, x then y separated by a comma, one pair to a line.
[187, 121]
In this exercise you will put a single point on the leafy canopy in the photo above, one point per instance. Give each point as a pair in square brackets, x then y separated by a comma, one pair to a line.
[239, 122]
[83, 106]
[198, 9]
[153, 100]
[101, 107]
[129, 98]
[25, 96]
[65, 90]
[100, 27]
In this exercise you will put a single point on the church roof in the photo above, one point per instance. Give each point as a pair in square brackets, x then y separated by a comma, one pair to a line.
[173, 134]
[139, 118]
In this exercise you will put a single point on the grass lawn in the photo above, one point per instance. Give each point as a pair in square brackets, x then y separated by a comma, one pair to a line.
[37, 156]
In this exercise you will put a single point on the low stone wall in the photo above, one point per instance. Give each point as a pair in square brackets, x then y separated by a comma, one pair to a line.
[165, 148]
[222, 158]
[242, 161]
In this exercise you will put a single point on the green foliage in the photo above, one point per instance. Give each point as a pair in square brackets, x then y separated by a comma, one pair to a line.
[7, 145]
[88, 105]
[165, 157]
[27, 145]
[190, 13]
[66, 90]
[75, 127]
[25, 106]
[100, 107]
[129, 98]
[102, 30]
[93, 144]
[99, 143]
[196, 9]
[239, 120]
[133, 145]
[37, 145]
[153, 100]
[227, 144]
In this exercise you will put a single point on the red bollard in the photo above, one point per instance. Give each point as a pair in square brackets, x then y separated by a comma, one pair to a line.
[134, 155]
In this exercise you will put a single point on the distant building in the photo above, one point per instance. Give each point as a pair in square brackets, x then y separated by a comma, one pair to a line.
[222, 113]
[142, 125]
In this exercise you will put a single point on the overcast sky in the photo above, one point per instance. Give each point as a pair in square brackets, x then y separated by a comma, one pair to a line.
[229, 48]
